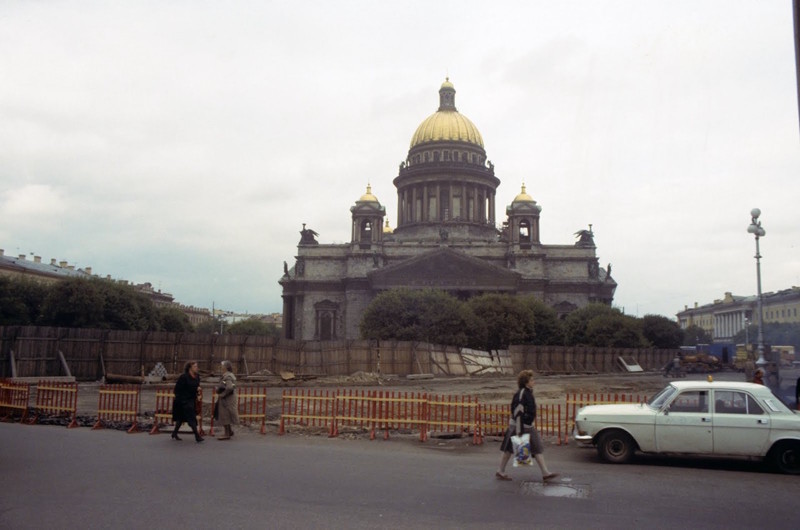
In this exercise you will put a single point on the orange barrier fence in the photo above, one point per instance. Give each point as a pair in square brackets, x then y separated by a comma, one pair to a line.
[454, 414]
[549, 421]
[165, 397]
[380, 411]
[118, 403]
[56, 399]
[312, 408]
[400, 411]
[14, 397]
[251, 403]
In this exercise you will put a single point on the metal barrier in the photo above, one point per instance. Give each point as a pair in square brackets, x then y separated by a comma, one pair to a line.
[118, 403]
[301, 406]
[400, 411]
[165, 397]
[251, 403]
[14, 397]
[56, 399]
[454, 414]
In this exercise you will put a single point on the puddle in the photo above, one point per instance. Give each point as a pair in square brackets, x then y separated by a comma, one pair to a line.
[555, 489]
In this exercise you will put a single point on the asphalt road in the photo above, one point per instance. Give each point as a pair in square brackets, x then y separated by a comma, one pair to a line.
[53, 477]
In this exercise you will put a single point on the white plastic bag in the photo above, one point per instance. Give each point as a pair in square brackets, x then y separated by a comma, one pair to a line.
[522, 450]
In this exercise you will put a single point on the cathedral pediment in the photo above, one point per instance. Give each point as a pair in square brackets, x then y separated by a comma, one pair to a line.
[445, 269]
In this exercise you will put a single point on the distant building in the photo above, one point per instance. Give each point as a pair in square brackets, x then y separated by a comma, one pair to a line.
[446, 238]
[36, 270]
[724, 318]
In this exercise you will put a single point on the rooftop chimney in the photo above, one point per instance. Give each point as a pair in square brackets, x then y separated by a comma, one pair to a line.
[695, 305]
[53, 262]
[22, 257]
[37, 259]
[62, 264]
[88, 270]
[2, 252]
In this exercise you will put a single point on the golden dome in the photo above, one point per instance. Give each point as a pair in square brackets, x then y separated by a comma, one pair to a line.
[386, 229]
[447, 124]
[368, 197]
[523, 196]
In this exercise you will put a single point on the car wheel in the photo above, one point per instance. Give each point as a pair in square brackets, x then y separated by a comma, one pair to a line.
[786, 457]
[616, 447]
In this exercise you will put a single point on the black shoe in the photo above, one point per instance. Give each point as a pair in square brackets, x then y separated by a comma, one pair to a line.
[198, 438]
[175, 437]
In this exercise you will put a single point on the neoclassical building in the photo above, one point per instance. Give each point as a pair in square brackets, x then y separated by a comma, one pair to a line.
[446, 237]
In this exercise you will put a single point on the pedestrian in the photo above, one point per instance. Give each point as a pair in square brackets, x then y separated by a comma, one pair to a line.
[758, 376]
[523, 415]
[227, 408]
[187, 392]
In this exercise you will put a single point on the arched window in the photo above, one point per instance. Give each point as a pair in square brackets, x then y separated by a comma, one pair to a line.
[366, 231]
[524, 231]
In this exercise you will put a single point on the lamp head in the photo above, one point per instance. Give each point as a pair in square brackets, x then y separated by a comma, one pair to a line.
[755, 213]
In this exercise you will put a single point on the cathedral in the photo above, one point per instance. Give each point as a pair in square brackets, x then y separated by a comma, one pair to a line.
[446, 237]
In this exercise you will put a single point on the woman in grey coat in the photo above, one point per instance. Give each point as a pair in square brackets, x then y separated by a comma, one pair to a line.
[227, 408]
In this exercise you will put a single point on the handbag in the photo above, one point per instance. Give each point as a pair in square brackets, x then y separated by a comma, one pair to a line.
[216, 410]
[522, 450]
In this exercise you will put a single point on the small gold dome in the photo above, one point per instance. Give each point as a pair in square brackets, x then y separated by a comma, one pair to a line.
[523, 196]
[368, 196]
[386, 229]
[447, 124]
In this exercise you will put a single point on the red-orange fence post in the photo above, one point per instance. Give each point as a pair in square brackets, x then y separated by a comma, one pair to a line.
[56, 399]
[118, 403]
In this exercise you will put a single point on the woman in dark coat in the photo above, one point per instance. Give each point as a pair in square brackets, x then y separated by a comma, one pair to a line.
[523, 414]
[186, 392]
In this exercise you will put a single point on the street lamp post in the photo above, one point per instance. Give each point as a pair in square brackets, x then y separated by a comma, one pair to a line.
[756, 229]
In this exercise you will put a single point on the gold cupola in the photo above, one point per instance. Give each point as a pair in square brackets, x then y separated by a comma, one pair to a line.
[447, 124]
[523, 196]
[368, 196]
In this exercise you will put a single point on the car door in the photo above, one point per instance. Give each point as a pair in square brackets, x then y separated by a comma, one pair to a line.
[684, 426]
[741, 426]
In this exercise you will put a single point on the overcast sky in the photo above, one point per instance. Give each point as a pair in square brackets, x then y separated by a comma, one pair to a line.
[185, 143]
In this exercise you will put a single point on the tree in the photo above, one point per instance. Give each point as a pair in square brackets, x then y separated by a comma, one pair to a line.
[508, 320]
[73, 303]
[418, 315]
[125, 308]
[254, 326]
[547, 328]
[20, 301]
[614, 330]
[576, 323]
[173, 319]
[662, 332]
[694, 335]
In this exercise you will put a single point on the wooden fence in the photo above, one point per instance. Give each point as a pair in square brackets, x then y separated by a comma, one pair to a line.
[89, 353]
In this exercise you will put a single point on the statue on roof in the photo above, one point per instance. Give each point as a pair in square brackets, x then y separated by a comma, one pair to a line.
[308, 236]
[585, 238]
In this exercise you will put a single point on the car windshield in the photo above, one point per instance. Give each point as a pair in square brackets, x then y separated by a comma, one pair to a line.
[775, 405]
[662, 397]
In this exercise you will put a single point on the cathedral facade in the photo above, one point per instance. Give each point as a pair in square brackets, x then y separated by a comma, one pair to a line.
[446, 238]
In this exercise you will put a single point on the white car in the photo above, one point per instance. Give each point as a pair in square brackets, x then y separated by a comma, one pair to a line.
[700, 418]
